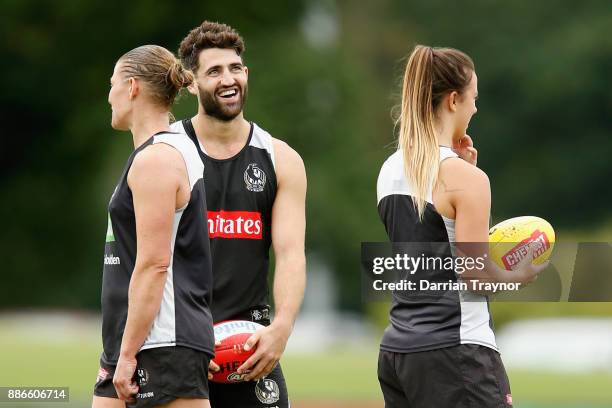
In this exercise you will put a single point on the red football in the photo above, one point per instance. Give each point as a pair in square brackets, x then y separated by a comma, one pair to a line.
[230, 354]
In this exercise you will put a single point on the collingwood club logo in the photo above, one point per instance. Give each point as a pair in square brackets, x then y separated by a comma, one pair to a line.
[267, 391]
[254, 178]
[143, 377]
[257, 315]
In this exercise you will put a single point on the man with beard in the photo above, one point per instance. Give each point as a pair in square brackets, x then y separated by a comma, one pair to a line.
[255, 192]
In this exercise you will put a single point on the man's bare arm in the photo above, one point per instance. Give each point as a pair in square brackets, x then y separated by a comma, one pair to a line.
[288, 235]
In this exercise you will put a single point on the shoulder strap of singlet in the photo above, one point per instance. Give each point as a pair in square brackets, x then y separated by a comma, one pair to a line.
[186, 127]
[195, 167]
[446, 152]
[263, 140]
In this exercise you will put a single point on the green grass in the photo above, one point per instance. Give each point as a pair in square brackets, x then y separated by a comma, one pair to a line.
[546, 389]
[70, 358]
[51, 359]
[337, 375]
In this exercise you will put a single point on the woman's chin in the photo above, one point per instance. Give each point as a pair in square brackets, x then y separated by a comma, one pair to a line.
[118, 126]
[458, 136]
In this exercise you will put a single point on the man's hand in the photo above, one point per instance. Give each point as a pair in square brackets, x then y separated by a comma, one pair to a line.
[212, 366]
[270, 342]
[122, 380]
[465, 149]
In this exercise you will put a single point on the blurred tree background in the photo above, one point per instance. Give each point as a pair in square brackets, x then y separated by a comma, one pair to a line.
[324, 76]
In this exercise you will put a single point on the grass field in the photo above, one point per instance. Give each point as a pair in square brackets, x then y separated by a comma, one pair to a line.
[335, 378]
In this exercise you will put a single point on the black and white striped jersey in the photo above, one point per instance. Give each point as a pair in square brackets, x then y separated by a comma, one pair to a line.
[421, 321]
[184, 318]
[240, 193]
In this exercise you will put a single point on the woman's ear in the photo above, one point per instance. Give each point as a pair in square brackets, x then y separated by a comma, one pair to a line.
[452, 101]
[134, 88]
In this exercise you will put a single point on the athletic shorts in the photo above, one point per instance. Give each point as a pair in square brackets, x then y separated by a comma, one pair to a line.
[162, 374]
[464, 376]
[269, 392]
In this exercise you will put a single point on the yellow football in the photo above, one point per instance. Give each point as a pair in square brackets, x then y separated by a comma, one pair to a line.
[509, 241]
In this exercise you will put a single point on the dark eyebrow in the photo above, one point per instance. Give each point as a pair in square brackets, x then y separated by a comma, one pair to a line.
[232, 65]
[213, 67]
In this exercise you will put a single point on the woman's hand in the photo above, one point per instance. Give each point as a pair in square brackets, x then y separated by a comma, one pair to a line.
[465, 149]
[122, 380]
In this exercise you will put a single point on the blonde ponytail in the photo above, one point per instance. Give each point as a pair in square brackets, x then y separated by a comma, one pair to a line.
[417, 137]
[430, 74]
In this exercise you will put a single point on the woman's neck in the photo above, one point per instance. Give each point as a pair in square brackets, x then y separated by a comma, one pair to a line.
[148, 123]
[444, 132]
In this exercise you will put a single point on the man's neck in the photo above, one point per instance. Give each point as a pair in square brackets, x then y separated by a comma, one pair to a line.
[221, 139]
[209, 129]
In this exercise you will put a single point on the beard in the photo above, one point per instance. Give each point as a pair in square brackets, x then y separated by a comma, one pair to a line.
[221, 111]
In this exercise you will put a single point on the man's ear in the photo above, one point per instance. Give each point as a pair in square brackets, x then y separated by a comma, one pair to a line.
[246, 71]
[193, 88]
[134, 87]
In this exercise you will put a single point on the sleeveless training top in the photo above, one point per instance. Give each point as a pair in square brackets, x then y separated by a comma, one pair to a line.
[240, 193]
[420, 321]
[184, 318]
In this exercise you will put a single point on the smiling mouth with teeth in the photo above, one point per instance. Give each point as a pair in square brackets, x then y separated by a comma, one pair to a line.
[229, 93]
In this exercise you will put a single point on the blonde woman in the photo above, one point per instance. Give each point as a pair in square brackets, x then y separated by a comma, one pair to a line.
[439, 349]
[157, 281]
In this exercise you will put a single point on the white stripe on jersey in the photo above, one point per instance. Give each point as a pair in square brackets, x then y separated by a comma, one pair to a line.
[163, 331]
[181, 142]
[263, 140]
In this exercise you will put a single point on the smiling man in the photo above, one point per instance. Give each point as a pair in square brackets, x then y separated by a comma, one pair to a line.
[255, 192]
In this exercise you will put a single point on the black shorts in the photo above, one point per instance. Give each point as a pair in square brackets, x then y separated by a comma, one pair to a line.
[268, 392]
[162, 374]
[462, 376]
